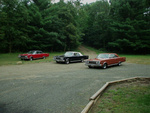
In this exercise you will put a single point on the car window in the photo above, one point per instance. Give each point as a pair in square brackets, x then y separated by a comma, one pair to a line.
[112, 56]
[115, 56]
[103, 56]
[80, 54]
[30, 52]
[75, 54]
[35, 52]
[68, 54]
[39, 52]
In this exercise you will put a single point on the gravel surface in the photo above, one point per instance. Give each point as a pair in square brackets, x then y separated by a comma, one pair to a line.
[57, 88]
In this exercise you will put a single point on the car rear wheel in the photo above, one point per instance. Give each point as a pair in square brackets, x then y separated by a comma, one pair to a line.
[67, 61]
[82, 60]
[43, 57]
[119, 64]
[104, 66]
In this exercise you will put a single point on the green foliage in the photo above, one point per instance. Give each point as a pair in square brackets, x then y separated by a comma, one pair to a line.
[120, 26]
[13, 34]
[38, 24]
[129, 26]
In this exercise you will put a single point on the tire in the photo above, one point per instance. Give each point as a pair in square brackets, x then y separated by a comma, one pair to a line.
[67, 61]
[31, 58]
[90, 66]
[44, 57]
[104, 66]
[82, 60]
[119, 64]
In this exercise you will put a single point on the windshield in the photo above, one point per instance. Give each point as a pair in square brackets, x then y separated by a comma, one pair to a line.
[103, 56]
[31, 52]
[68, 54]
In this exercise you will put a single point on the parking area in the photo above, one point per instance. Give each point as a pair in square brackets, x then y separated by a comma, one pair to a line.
[57, 88]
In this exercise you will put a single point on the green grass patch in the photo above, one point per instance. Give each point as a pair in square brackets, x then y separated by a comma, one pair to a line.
[128, 99]
[138, 59]
[12, 58]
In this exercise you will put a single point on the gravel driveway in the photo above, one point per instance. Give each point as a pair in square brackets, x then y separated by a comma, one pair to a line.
[57, 88]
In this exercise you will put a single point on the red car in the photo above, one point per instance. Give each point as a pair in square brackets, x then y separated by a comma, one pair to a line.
[34, 54]
[104, 60]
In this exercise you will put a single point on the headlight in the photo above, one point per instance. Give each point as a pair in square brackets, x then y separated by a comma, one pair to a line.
[26, 57]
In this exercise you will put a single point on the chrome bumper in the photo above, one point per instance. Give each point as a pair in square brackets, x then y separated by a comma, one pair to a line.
[93, 65]
[59, 60]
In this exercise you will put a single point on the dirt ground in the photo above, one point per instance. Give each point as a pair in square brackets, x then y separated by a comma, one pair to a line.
[86, 51]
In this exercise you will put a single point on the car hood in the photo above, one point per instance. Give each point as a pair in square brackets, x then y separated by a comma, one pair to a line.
[62, 56]
[96, 59]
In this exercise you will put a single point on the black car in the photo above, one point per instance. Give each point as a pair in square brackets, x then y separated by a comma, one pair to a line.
[71, 56]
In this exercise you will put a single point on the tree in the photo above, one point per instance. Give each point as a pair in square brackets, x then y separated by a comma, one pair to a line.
[96, 34]
[64, 25]
[129, 26]
[12, 25]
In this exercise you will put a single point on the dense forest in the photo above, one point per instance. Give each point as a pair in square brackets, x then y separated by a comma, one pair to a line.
[118, 25]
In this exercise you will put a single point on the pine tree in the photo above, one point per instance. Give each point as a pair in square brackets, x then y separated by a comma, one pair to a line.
[13, 19]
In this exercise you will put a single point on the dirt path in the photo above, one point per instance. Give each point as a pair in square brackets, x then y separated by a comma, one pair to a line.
[87, 51]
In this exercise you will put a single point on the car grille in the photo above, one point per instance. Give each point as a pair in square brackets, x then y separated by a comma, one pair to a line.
[92, 62]
[22, 56]
[57, 58]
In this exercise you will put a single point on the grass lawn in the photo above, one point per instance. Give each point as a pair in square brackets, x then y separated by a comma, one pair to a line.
[128, 98]
[138, 59]
[12, 59]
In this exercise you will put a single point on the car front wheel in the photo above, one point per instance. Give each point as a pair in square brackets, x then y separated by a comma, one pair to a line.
[67, 61]
[90, 66]
[104, 66]
[31, 58]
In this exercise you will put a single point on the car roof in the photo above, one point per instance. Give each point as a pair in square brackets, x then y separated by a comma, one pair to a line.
[73, 51]
[35, 50]
[107, 53]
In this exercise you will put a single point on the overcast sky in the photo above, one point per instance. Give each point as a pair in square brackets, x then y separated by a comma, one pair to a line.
[87, 1]
[82, 1]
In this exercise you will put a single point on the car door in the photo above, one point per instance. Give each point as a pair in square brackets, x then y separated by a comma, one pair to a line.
[37, 55]
[78, 56]
[113, 58]
[75, 57]
[71, 57]
[34, 54]
[40, 54]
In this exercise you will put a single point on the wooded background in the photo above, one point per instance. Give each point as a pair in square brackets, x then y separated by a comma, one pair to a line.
[118, 25]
